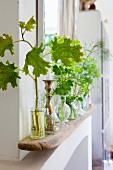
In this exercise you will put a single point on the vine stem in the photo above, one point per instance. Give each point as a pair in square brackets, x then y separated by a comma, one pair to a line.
[28, 74]
[91, 51]
[45, 55]
[24, 41]
[36, 102]
[36, 92]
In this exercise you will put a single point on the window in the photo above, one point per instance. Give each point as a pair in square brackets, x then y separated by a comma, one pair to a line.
[50, 19]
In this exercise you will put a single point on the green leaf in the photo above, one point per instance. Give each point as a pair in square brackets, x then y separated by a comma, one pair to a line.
[63, 87]
[6, 43]
[66, 50]
[8, 74]
[80, 99]
[21, 24]
[56, 70]
[33, 58]
[30, 24]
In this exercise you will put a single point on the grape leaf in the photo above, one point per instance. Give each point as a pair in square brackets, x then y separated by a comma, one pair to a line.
[21, 24]
[8, 75]
[30, 24]
[6, 43]
[33, 58]
[66, 50]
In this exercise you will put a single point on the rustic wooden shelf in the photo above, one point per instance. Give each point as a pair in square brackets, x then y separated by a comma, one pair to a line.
[52, 141]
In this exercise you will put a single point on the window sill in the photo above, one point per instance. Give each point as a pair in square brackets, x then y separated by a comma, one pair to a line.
[52, 141]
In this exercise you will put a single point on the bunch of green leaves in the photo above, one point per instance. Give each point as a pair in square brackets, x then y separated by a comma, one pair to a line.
[87, 71]
[78, 74]
[34, 57]
[66, 50]
[9, 72]
[62, 79]
[69, 99]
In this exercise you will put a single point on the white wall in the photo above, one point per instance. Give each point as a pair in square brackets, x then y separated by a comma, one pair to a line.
[15, 103]
[89, 33]
[106, 9]
[69, 148]
[26, 84]
[9, 99]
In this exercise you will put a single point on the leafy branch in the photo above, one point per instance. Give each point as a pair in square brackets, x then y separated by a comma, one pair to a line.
[33, 58]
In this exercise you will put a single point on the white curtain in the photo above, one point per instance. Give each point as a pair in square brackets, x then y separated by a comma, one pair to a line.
[67, 10]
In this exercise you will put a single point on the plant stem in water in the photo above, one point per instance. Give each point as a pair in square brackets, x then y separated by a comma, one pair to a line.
[36, 103]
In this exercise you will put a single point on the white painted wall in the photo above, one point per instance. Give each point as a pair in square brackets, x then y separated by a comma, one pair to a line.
[106, 9]
[26, 84]
[15, 103]
[59, 159]
[89, 33]
[9, 121]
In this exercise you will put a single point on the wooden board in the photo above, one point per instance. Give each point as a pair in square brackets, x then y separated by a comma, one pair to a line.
[52, 141]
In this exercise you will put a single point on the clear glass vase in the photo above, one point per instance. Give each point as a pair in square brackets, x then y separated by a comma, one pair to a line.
[80, 111]
[73, 113]
[37, 124]
[62, 111]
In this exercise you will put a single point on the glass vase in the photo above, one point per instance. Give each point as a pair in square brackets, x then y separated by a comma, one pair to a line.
[73, 113]
[37, 124]
[80, 111]
[62, 111]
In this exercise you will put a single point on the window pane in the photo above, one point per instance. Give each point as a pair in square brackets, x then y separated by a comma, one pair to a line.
[51, 19]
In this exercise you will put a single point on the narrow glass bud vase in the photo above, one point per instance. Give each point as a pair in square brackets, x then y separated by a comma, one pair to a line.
[37, 124]
[73, 113]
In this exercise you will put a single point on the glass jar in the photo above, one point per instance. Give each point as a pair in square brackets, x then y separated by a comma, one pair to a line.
[37, 124]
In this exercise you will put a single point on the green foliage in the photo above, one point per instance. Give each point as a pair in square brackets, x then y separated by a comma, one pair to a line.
[101, 48]
[34, 59]
[8, 74]
[70, 99]
[63, 87]
[66, 50]
[29, 26]
[21, 24]
[6, 43]
[80, 74]
[63, 78]
[86, 73]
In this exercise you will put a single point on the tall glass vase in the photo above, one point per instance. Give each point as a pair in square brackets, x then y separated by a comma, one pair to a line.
[37, 124]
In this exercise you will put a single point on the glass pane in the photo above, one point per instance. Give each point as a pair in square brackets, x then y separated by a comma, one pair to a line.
[50, 19]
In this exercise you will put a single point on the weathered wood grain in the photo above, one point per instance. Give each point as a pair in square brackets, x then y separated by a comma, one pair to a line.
[52, 141]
